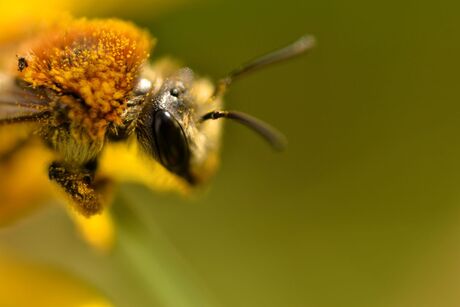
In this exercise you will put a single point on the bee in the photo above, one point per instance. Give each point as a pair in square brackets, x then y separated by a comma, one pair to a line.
[83, 85]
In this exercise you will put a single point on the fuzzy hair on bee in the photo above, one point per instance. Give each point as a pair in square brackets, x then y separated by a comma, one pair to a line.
[84, 87]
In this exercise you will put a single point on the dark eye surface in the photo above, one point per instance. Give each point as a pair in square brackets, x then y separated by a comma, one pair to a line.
[171, 143]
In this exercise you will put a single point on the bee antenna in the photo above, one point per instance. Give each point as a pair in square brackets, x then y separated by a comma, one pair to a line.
[275, 138]
[300, 46]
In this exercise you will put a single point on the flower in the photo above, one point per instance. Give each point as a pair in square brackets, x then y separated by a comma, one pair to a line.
[23, 284]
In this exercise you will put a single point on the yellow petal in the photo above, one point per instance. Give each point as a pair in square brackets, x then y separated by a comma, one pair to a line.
[17, 16]
[97, 230]
[26, 284]
[23, 178]
[125, 161]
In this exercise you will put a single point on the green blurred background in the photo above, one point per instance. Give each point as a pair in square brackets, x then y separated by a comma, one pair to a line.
[362, 209]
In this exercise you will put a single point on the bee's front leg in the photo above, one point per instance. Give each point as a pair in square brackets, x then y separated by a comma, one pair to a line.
[79, 184]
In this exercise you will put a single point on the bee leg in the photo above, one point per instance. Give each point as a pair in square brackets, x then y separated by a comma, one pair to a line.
[79, 184]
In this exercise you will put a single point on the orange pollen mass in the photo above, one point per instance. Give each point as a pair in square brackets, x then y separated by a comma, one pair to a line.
[95, 60]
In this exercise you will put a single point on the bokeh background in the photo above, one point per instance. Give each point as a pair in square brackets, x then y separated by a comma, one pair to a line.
[362, 209]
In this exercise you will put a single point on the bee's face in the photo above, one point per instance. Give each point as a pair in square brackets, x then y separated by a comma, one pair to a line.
[169, 130]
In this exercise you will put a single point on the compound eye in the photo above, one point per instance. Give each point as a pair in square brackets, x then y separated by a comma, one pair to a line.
[170, 142]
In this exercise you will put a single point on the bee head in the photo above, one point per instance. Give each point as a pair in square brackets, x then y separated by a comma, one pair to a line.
[169, 127]
[178, 128]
